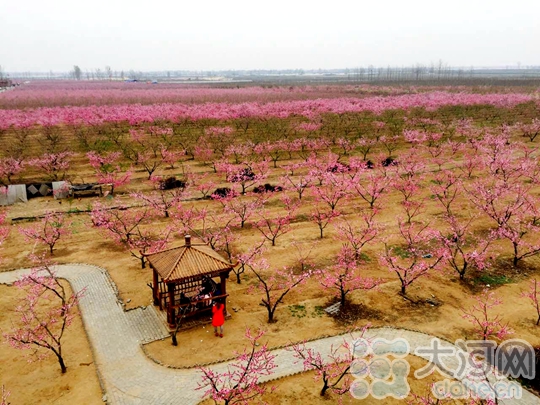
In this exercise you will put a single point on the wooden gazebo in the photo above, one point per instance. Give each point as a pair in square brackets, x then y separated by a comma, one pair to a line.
[182, 274]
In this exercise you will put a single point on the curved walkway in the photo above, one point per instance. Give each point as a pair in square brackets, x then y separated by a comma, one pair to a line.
[129, 377]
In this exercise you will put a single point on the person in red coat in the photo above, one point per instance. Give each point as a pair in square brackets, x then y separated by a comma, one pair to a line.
[218, 317]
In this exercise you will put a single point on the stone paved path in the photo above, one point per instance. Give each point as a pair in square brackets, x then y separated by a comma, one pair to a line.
[129, 377]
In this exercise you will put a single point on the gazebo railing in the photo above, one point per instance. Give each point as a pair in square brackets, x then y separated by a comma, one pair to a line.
[196, 307]
[190, 289]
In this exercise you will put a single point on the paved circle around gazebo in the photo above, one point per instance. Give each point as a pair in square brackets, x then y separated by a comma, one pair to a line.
[129, 377]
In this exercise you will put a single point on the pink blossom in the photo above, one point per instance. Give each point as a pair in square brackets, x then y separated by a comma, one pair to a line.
[40, 327]
[55, 165]
[108, 169]
[275, 285]
[49, 230]
[272, 227]
[417, 255]
[534, 296]
[345, 276]
[486, 326]
[332, 369]
[126, 227]
[9, 167]
[308, 126]
[240, 383]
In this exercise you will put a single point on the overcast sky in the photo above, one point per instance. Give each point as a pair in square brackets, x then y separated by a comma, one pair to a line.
[43, 35]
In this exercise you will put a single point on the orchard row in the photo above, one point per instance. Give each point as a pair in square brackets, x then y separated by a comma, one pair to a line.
[72, 93]
[136, 114]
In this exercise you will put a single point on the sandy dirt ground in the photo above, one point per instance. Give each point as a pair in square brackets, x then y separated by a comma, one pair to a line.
[41, 382]
[305, 388]
[298, 318]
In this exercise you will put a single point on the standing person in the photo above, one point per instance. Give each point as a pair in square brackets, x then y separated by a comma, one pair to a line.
[218, 317]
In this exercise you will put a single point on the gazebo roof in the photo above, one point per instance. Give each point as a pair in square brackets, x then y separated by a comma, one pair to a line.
[188, 261]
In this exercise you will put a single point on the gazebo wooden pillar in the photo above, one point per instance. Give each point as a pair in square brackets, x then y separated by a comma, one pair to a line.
[155, 288]
[223, 286]
[170, 307]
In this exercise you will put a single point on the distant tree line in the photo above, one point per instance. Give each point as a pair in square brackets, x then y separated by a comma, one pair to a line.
[436, 73]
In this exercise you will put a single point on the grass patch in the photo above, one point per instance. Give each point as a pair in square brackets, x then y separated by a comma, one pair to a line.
[298, 311]
[364, 258]
[399, 251]
[300, 218]
[493, 279]
[318, 311]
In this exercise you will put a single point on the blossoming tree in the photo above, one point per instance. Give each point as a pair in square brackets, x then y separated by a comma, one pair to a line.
[534, 295]
[239, 383]
[41, 327]
[53, 227]
[486, 325]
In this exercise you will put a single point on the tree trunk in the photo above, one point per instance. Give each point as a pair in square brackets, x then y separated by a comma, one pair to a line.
[462, 272]
[143, 264]
[62, 364]
[270, 315]
[403, 287]
[343, 296]
[324, 388]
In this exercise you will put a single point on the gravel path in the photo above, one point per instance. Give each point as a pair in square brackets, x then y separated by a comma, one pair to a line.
[129, 377]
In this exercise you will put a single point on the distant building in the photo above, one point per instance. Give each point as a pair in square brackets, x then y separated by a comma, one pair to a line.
[5, 83]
